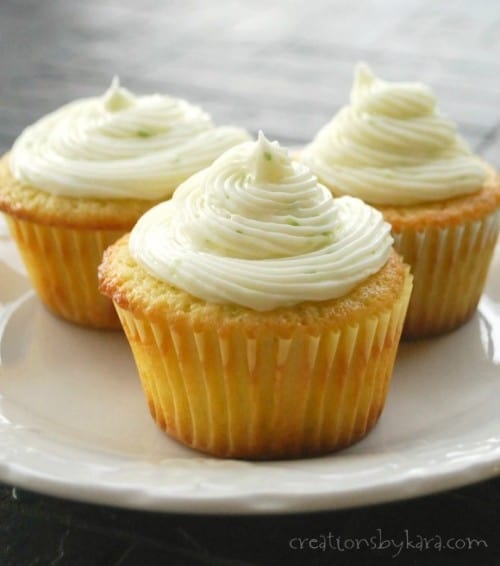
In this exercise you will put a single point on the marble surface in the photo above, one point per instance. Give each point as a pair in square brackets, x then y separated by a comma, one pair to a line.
[286, 67]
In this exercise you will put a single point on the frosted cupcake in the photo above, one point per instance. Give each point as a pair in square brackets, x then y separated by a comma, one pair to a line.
[263, 314]
[392, 148]
[80, 177]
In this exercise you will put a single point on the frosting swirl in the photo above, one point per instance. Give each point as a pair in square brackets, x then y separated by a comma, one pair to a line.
[392, 146]
[256, 229]
[119, 146]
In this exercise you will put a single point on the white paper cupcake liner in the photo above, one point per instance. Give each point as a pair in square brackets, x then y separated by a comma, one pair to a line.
[262, 395]
[449, 266]
[62, 265]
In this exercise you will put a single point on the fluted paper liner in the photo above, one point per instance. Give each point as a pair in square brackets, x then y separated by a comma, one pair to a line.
[449, 266]
[62, 265]
[261, 395]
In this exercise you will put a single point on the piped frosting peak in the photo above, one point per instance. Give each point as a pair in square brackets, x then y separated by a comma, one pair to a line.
[257, 229]
[392, 146]
[119, 145]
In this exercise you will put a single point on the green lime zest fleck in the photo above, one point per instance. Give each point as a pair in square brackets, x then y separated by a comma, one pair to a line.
[144, 134]
[292, 222]
[267, 155]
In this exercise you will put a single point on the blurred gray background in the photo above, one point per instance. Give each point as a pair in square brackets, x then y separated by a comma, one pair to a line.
[281, 65]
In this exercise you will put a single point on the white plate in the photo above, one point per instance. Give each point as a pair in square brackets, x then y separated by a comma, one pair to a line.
[74, 423]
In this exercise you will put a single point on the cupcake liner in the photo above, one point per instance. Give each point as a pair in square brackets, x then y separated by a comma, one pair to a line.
[449, 266]
[259, 395]
[62, 265]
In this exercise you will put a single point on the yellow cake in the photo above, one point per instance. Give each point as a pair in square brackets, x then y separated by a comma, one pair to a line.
[80, 177]
[392, 148]
[264, 316]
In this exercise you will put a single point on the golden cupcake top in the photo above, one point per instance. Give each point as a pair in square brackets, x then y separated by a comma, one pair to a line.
[391, 145]
[119, 146]
[256, 229]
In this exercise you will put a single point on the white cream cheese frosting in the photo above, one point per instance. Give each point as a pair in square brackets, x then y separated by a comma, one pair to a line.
[391, 146]
[256, 229]
[119, 146]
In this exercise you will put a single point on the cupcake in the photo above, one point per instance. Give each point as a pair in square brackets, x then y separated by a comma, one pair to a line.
[80, 177]
[392, 148]
[263, 314]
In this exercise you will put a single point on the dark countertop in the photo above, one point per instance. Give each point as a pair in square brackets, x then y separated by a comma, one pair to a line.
[286, 67]
[36, 530]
